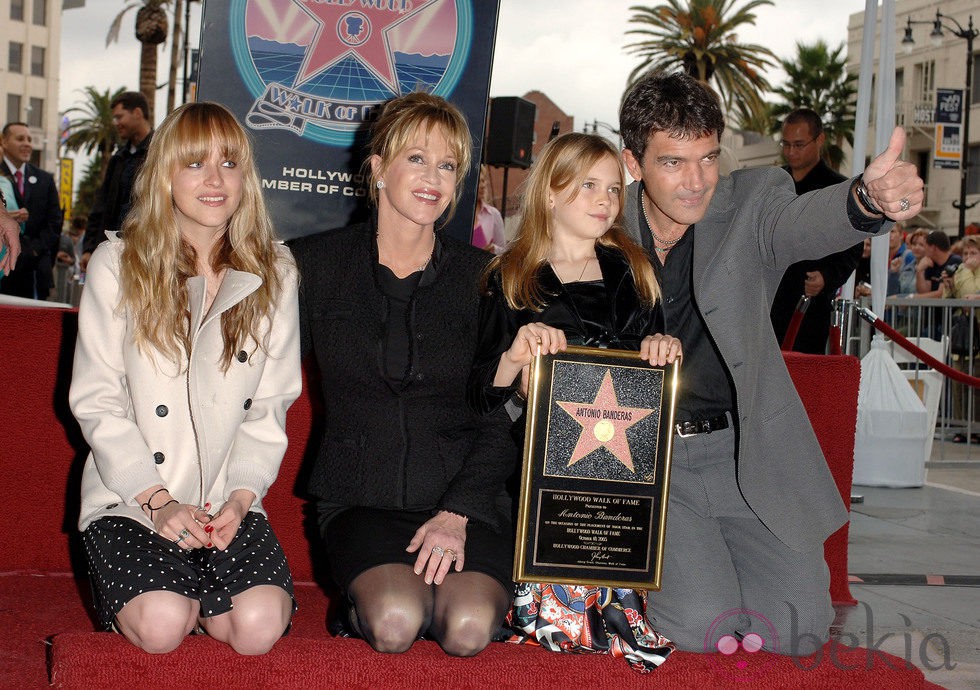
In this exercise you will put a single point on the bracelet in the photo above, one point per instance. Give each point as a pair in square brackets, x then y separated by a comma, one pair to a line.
[862, 195]
[150, 498]
[172, 500]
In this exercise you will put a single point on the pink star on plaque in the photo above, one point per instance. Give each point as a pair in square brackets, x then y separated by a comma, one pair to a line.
[343, 31]
[604, 423]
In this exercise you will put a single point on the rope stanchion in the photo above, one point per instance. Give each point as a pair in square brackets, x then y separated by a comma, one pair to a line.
[915, 351]
[789, 340]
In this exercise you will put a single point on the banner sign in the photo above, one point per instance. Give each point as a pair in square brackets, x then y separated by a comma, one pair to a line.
[305, 78]
[949, 114]
[949, 106]
[947, 151]
[66, 171]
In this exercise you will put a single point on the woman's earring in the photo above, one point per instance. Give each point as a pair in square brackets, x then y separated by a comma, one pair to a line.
[380, 184]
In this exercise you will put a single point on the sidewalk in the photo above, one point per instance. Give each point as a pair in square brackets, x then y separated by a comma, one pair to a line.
[918, 552]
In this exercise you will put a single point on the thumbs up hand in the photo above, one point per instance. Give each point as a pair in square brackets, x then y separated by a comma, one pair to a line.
[894, 185]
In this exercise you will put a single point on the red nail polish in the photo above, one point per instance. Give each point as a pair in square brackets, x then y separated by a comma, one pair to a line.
[207, 505]
[208, 529]
[210, 545]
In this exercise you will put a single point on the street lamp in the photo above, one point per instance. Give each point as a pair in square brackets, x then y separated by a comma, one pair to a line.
[941, 22]
[596, 124]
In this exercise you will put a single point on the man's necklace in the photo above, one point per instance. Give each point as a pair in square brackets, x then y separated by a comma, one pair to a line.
[668, 244]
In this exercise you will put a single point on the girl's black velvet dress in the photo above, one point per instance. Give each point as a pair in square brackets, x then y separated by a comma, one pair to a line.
[606, 313]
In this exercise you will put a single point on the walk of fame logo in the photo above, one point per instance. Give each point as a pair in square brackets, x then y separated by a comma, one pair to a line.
[319, 68]
[609, 439]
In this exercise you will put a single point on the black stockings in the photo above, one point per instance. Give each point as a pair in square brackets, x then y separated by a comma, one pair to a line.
[392, 606]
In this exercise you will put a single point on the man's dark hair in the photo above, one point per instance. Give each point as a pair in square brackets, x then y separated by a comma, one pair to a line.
[673, 103]
[939, 240]
[808, 116]
[131, 100]
[79, 222]
[6, 127]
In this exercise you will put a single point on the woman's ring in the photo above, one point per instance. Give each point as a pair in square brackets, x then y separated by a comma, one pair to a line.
[538, 339]
[438, 550]
[905, 205]
[182, 535]
[451, 554]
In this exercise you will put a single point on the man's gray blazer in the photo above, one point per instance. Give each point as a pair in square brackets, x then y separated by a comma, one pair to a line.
[755, 227]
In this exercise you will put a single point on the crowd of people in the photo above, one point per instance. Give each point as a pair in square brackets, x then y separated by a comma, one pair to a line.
[30, 197]
[194, 321]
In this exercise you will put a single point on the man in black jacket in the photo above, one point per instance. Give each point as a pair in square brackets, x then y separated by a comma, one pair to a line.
[37, 197]
[112, 201]
[803, 140]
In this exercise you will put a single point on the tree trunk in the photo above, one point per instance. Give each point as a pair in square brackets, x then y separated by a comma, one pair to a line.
[105, 153]
[176, 55]
[148, 76]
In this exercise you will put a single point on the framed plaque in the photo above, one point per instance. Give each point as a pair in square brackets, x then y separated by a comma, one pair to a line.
[594, 482]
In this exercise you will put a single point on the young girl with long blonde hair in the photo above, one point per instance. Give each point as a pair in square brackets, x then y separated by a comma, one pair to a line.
[571, 276]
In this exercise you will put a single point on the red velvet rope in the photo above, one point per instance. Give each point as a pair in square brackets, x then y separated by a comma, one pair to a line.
[789, 340]
[917, 352]
[835, 340]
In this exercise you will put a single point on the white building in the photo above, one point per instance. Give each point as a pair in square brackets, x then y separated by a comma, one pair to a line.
[921, 67]
[30, 47]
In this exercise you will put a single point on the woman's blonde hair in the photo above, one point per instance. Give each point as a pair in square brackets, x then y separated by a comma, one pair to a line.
[156, 261]
[401, 119]
[563, 162]
[971, 241]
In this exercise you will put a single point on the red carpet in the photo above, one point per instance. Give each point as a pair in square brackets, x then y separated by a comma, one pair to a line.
[44, 620]
[832, 385]
[107, 661]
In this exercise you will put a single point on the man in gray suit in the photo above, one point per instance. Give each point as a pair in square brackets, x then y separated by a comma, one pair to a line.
[751, 497]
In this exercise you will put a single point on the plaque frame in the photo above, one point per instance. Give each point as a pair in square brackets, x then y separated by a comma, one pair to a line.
[598, 553]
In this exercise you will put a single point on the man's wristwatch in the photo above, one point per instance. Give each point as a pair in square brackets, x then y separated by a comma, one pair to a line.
[862, 195]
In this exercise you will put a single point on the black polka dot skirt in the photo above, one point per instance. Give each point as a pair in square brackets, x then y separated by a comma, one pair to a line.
[126, 559]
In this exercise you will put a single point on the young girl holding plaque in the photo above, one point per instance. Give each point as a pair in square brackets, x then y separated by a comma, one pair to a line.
[571, 276]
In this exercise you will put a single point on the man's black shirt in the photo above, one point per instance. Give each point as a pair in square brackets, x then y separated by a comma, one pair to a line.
[706, 390]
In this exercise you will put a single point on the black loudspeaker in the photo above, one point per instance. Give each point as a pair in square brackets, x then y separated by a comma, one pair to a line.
[511, 132]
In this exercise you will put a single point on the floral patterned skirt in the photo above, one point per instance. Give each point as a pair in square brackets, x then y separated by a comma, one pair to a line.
[588, 620]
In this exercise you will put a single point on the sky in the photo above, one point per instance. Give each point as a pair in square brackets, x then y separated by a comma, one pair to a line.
[571, 50]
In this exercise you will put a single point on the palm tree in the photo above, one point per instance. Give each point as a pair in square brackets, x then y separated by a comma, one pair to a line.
[175, 54]
[699, 36]
[93, 131]
[151, 31]
[87, 188]
[817, 78]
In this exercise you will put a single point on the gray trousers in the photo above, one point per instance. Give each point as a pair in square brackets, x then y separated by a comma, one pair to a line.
[727, 579]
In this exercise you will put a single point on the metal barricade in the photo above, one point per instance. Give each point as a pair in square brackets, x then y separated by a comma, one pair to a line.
[948, 330]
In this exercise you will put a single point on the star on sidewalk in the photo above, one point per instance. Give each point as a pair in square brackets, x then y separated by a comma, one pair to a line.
[604, 423]
[343, 31]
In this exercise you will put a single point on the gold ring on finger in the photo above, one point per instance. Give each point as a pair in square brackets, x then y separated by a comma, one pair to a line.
[451, 554]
